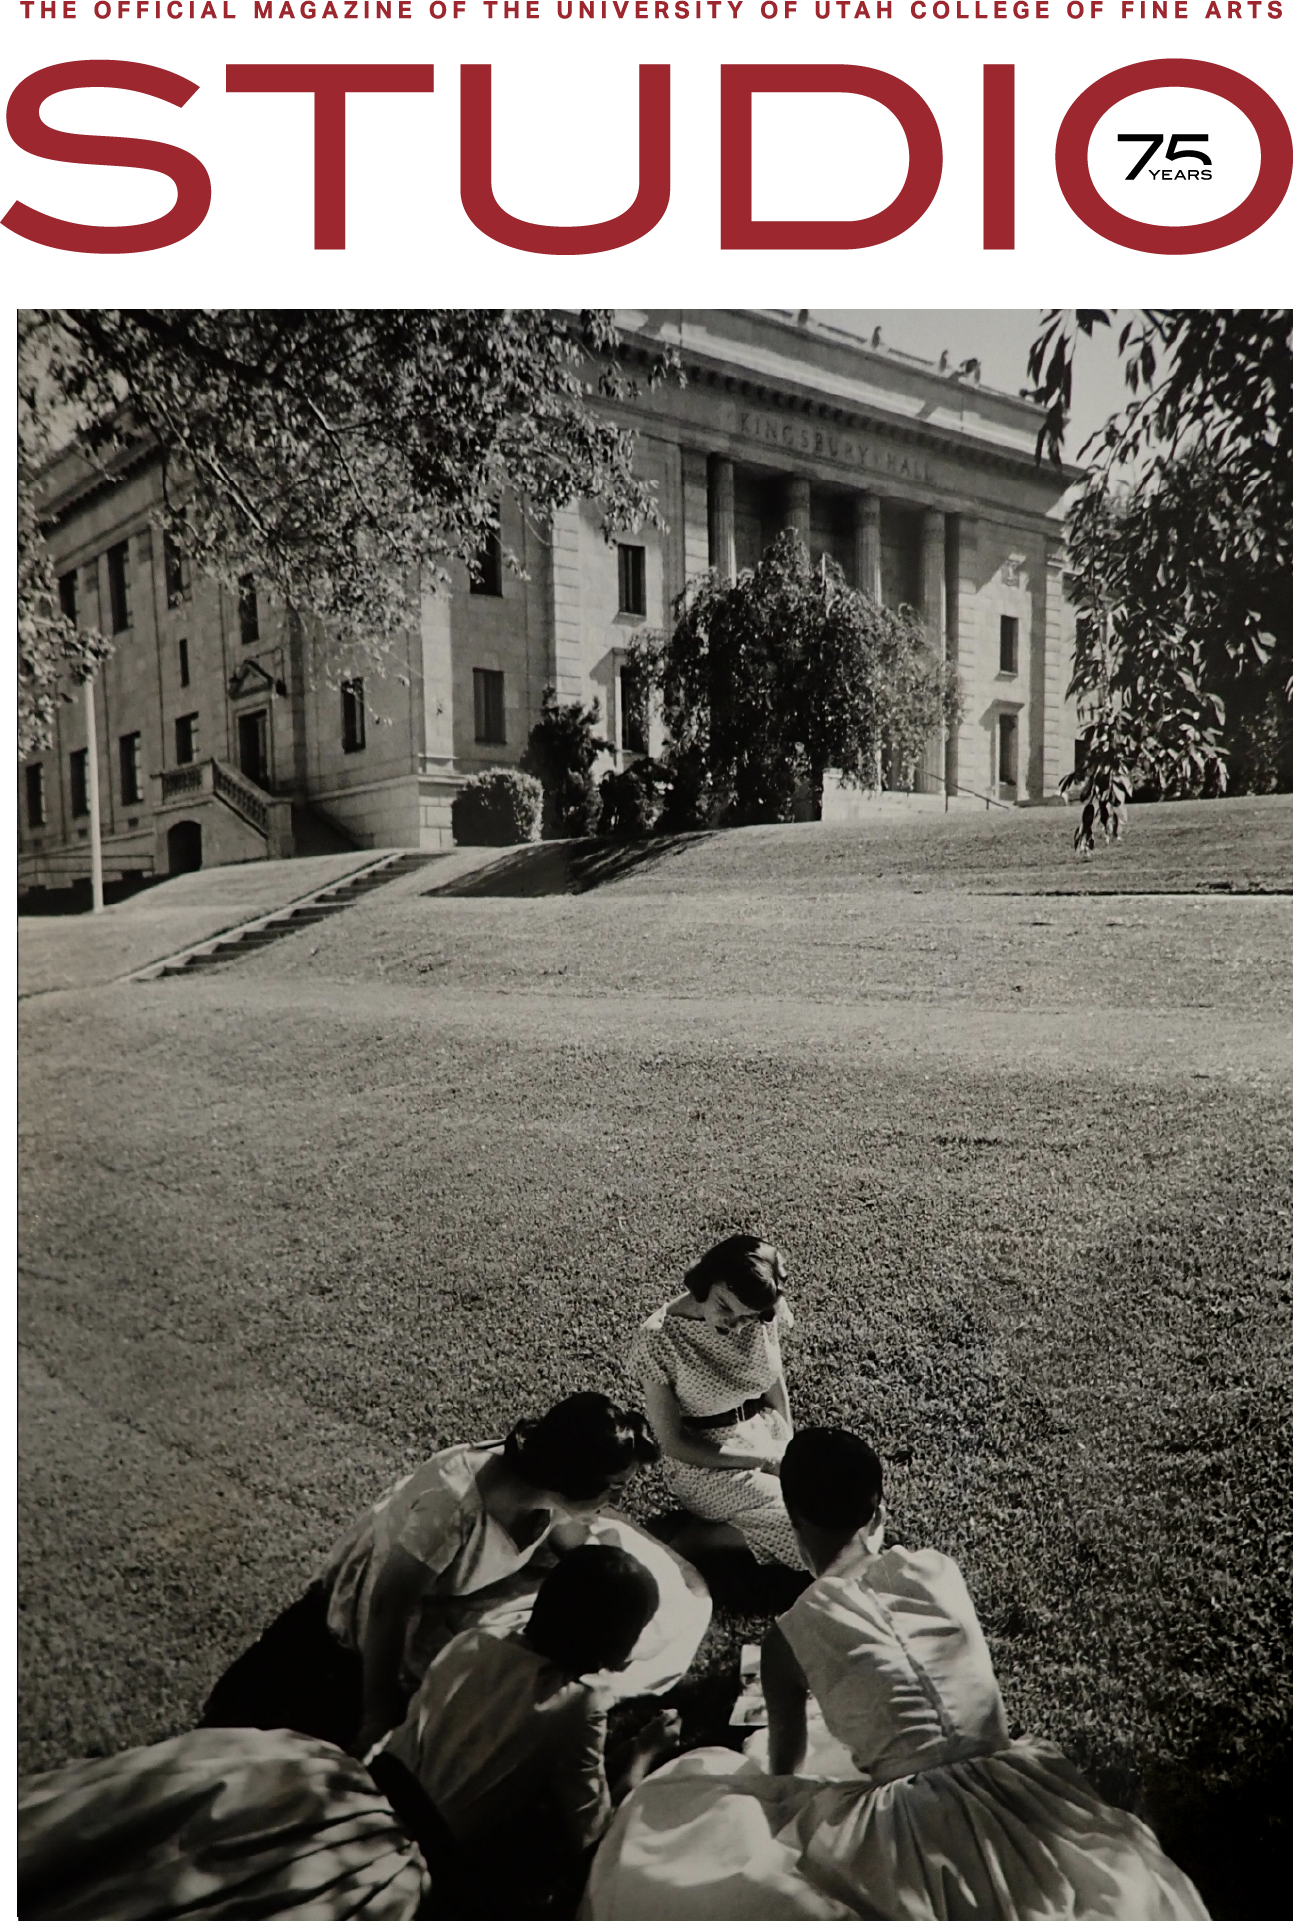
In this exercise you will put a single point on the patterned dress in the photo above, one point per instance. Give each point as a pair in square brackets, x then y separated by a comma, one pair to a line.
[710, 1370]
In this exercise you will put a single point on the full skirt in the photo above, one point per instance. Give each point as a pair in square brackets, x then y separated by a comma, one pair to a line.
[1014, 1836]
[221, 1824]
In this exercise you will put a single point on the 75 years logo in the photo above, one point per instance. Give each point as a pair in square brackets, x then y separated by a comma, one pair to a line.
[1171, 167]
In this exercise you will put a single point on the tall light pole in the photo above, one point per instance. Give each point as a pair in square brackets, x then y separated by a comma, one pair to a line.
[92, 788]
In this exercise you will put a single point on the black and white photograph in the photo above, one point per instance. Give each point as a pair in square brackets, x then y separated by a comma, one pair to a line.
[655, 1114]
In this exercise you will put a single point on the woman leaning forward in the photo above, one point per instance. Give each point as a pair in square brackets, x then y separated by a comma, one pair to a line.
[710, 1370]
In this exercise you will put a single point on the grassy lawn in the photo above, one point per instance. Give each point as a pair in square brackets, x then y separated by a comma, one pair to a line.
[400, 1178]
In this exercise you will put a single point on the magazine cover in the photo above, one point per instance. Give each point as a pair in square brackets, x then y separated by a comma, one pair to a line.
[654, 845]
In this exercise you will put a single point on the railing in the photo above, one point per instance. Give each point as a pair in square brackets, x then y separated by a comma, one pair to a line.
[242, 795]
[213, 777]
[990, 800]
[183, 780]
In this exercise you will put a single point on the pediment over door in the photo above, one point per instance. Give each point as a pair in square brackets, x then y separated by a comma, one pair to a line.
[252, 678]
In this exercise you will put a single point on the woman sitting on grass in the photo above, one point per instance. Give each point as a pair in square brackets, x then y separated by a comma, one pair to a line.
[497, 1782]
[507, 1738]
[949, 1818]
[709, 1366]
[341, 1662]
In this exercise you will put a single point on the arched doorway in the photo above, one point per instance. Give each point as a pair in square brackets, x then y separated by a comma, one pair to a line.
[184, 847]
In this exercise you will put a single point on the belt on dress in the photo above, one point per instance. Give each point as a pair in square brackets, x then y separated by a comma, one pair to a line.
[731, 1418]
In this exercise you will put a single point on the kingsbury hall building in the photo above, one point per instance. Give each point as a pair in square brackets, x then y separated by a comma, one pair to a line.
[229, 730]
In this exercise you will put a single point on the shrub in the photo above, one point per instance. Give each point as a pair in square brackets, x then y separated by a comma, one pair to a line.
[630, 802]
[497, 809]
[560, 753]
[688, 801]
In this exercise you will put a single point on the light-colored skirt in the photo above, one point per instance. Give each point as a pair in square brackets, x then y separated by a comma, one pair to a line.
[225, 1824]
[1014, 1836]
[746, 1498]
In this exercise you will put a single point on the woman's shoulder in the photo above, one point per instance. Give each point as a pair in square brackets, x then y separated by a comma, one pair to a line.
[449, 1473]
[925, 1575]
[665, 1323]
[924, 1566]
[659, 1346]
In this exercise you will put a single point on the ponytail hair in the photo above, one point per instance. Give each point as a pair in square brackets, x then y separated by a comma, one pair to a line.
[579, 1446]
[752, 1268]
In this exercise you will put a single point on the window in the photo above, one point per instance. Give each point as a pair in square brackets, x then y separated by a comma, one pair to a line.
[632, 579]
[79, 771]
[248, 611]
[1009, 663]
[1008, 750]
[487, 567]
[35, 775]
[186, 738]
[176, 562]
[132, 777]
[184, 663]
[353, 724]
[488, 687]
[488, 696]
[67, 594]
[119, 585]
[633, 711]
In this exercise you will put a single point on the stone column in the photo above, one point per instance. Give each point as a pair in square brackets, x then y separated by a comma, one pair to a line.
[967, 763]
[933, 607]
[695, 513]
[297, 695]
[722, 517]
[673, 543]
[952, 593]
[796, 507]
[866, 545]
[567, 623]
[1052, 675]
[436, 663]
[933, 582]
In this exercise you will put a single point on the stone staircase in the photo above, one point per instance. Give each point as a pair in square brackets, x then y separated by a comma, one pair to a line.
[241, 941]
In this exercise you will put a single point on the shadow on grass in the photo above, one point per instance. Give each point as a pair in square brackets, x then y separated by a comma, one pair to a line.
[565, 867]
[1233, 1840]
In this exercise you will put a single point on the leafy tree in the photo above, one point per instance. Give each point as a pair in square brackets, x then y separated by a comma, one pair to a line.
[339, 456]
[768, 681]
[52, 653]
[1181, 545]
[560, 753]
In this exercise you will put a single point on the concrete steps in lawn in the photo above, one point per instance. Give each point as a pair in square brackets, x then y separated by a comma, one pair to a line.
[329, 901]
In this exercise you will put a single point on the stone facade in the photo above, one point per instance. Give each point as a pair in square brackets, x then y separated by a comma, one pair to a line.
[221, 713]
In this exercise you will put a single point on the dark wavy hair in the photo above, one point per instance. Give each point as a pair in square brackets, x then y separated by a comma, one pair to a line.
[753, 1269]
[591, 1609]
[831, 1479]
[579, 1445]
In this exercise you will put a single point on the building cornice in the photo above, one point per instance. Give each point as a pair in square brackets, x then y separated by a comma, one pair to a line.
[90, 477]
[745, 370]
[802, 401]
